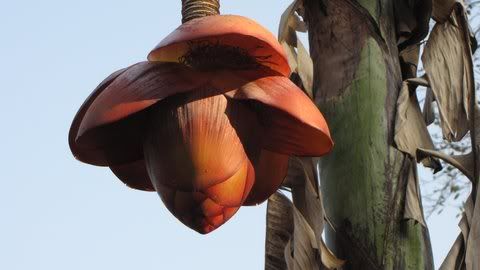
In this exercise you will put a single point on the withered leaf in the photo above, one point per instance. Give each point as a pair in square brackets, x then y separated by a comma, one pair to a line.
[449, 67]
[301, 169]
[291, 55]
[472, 251]
[428, 111]
[298, 57]
[305, 68]
[442, 9]
[409, 58]
[290, 23]
[410, 129]
[464, 163]
[456, 257]
[307, 200]
[305, 248]
[412, 18]
[470, 230]
[413, 208]
[329, 260]
[279, 231]
[288, 253]
[446, 60]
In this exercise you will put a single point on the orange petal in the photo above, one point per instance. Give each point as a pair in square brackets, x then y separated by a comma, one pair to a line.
[194, 209]
[118, 143]
[229, 30]
[229, 212]
[215, 221]
[293, 124]
[108, 128]
[211, 208]
[249, 184]
[93, 156]
[194, 143]
[231, 191]
[270, 171]
[134, 175]
[139, 87]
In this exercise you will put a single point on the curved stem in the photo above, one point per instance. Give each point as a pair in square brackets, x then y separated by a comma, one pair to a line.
[192, 9]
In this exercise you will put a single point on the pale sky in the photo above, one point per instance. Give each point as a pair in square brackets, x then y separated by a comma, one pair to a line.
[57, 213]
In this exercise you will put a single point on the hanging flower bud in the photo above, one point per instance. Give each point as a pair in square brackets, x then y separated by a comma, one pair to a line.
[209, 122]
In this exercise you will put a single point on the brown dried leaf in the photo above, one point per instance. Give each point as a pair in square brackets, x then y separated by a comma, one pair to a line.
[469, 207]
[288, 253]
[329, 260]
[410, 129]
[306, 195]
[412, 18]
[409, 61]
[470, 229]
[456, 256]
[448, 64]
[462, 162]
[291, 55]
[442, 9]
[301, 169]
[465, 252]
[446, 58]
[428, 111]
[305, 248]
[298, 57]
[307, 200]
[279, 231]
[305, 68]
[413, 208]
[290, 23]
[472, 252]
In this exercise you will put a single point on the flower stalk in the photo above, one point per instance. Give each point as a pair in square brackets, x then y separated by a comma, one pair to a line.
[192, 9]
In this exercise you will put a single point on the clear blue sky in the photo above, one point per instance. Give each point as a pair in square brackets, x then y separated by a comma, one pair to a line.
[57, 213]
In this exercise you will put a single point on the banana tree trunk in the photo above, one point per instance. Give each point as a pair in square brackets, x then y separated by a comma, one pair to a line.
[357, 80]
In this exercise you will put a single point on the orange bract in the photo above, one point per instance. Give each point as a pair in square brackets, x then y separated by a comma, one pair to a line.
[208, 140]
[192, 147]
[227, 30]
